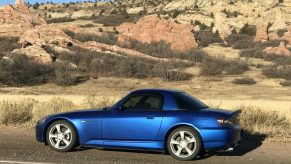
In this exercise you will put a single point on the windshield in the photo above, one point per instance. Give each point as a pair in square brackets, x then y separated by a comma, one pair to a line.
[188, 102]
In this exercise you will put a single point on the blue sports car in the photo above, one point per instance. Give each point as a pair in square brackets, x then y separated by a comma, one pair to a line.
[148, 119]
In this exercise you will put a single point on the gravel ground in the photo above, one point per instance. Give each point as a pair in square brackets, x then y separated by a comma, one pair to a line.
[18, 145]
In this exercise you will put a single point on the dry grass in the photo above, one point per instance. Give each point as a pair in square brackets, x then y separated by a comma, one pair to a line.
[60, 105]
[55, 105]
[16, 112]
[98, 102]
[273, 125]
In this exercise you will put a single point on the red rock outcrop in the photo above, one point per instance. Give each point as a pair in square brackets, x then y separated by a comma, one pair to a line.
[21, 5]
[15, 20]
[281, 50]
[46, 34]
[262, 32]
[151, 29]
[116, 50]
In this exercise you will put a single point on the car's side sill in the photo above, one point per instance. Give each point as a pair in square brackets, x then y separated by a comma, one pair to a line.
[136, 145]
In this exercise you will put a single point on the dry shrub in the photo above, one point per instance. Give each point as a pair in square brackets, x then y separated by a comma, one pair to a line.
[93, 101]
[274, 71]
[16, 112]
[53, 106]
[24, 71]
[206, 37]
[245, 80]
[8, 44]
[286, 83]
[60, 20]
[162, 49]
[271, 124]
[212, 66]
[106, 38]
[240, 41]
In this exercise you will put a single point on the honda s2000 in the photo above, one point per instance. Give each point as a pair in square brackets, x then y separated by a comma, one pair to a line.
[149, 119]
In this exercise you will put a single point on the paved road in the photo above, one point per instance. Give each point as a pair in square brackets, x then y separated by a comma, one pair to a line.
[18, 145]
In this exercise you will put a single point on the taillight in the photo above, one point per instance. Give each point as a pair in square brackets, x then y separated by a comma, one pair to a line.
[228, 122]
[220, 121]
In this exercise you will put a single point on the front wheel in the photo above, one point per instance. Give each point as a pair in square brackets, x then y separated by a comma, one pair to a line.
[184, 143]
[61, 136]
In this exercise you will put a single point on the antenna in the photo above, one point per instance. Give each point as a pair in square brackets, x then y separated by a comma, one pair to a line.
[219, 104]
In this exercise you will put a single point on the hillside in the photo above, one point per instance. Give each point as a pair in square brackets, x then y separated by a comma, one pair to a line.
[229, 48]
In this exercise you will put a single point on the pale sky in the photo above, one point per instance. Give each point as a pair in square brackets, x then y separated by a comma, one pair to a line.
[5, 2]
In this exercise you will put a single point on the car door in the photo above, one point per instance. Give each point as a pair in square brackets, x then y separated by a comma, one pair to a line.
[139, 119]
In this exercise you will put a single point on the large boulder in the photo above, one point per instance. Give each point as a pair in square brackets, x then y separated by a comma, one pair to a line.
[46, 34]
[151, 29]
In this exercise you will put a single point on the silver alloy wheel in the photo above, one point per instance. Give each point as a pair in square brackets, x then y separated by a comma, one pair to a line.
[183, 144]
[60, 136]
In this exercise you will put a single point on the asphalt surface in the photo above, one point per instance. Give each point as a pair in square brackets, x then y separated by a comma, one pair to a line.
[18, 145]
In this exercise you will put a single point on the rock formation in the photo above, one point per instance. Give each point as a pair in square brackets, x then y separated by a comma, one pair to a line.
[21, 5]
[281, 50]
[221, 25]
[15, 20]
[262, 32]
[151, 29]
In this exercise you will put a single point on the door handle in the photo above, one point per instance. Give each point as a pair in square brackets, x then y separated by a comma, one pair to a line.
[150, 116]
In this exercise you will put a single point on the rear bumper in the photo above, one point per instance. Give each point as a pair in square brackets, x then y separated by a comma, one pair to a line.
[221, 139]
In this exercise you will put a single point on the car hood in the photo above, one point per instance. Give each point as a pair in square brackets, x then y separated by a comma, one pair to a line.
[75, 114]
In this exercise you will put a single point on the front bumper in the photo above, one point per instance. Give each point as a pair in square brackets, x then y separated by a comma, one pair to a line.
[39, 132]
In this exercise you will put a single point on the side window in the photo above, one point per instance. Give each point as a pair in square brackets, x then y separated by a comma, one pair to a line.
[132, 102]
[143, 102]
[152, 102]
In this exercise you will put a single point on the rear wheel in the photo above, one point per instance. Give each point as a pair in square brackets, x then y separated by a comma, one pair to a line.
[61, 136]
[184, 143]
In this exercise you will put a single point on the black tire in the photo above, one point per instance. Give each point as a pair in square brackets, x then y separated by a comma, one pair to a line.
[187, 132]
[72, 137]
